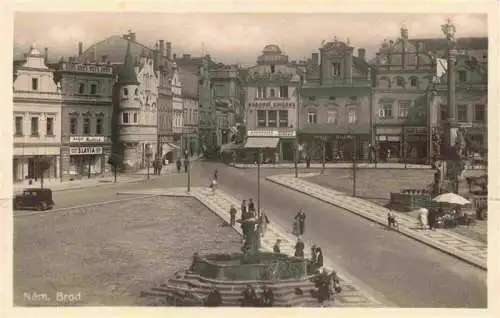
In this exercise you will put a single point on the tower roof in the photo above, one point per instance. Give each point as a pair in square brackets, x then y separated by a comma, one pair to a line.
[126, 73]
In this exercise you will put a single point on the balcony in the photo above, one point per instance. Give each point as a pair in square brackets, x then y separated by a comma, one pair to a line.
[36, 94]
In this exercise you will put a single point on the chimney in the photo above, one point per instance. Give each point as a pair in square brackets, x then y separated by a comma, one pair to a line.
[132, 36]
[46, 55]
[80, 49]
[315, 58]
[162, 48]
[169, 50]
[362, 53]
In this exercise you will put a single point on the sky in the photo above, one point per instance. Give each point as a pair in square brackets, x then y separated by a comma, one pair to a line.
[232, 38]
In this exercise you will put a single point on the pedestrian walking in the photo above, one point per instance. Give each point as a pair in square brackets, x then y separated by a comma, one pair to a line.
[262, 225]
[178, 163]
[301, 220]
[319, 257]
[232, 214]
[432, 219]
[213, 185]
[391, 221]
[276, 247]
[216, 174]
[299, 248]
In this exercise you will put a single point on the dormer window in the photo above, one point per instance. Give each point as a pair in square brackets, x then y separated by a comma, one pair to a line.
[335, 69]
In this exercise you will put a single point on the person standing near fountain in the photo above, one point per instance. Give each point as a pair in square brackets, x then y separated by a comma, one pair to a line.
[301, 222]
[276, 247]
[262, 225]
[267, 297]
[251, 207]
[232, 213]
[319, 257]
[299, 248]
[243, 209]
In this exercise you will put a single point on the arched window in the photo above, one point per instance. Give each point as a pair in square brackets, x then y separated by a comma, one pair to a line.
[125, 91]
[400, 82]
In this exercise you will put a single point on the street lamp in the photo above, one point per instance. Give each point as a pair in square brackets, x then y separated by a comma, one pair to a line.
[149, 153]
[354, 163]
[259, 158]
[298, 150]
[323, 142]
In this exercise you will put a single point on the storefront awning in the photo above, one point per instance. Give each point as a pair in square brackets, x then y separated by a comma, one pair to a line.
[167, 147]
[262, 142]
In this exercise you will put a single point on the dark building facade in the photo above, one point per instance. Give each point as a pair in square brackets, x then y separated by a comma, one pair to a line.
[335, 117]
[85, 117]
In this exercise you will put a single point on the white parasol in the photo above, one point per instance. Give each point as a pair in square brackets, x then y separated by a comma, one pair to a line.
[451, 198]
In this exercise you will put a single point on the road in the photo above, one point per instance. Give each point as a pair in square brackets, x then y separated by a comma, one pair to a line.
[397, 268]
[394, 268]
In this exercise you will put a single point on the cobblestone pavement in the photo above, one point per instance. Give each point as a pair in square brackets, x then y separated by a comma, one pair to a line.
[110, 253]
[220, 202]
[376, 186]
[464, 248]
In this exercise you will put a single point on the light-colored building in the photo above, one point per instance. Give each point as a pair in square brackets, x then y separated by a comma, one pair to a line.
[190, 100]
[87, 111]
[177, 107]
[335, 113]
[271, 103]
[136, 97]
[37, 118]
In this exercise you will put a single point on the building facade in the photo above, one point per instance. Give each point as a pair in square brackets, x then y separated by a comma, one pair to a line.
[471, 98]
[135, 98]
[403, 72]
[37, 119]
[190, 100]
[271, 103]
[335, 114]
[177, 108]
[87, 110]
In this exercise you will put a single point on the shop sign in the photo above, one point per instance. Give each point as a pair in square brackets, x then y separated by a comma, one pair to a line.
[388, 131]
[416, 130]
[344, 137]
[76, 139]
[76, 151]
[275, 104]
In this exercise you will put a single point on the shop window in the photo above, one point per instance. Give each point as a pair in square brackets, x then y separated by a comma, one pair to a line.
[283, 118]
[479, 113]
[261, 118]
[352, 116]
[50, 126]
[19, 126]
[332, 117]
[34, 126]
[272, 118]
[73, 125]
[34, 84]
[311, 117]
[125, 118]
[93, 89]
[81, 88]
[98, 126]
[462, 113]
[86, 126]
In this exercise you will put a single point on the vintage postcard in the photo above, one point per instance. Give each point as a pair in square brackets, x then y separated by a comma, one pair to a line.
[323, 156]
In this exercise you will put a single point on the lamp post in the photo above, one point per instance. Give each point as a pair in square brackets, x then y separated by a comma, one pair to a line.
[149, 153]
[259, 158]
[323, 160]
[354, 163]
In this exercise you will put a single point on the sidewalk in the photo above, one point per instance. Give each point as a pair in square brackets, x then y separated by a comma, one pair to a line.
[351, 295]
[469, 250]
[346, 165]
[57, 185]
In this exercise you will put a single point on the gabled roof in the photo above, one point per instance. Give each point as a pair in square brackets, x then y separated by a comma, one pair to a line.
[189, 83]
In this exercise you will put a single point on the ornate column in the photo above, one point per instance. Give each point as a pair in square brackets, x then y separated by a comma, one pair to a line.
[451, 125]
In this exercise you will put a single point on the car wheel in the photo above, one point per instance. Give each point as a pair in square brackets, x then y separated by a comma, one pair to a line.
[44, 206]
[39, 207]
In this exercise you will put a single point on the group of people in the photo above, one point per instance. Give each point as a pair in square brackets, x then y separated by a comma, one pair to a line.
[250, 298]
[327, 284]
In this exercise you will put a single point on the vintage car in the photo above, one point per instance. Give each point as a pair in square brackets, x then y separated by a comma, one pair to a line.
[34, 198]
